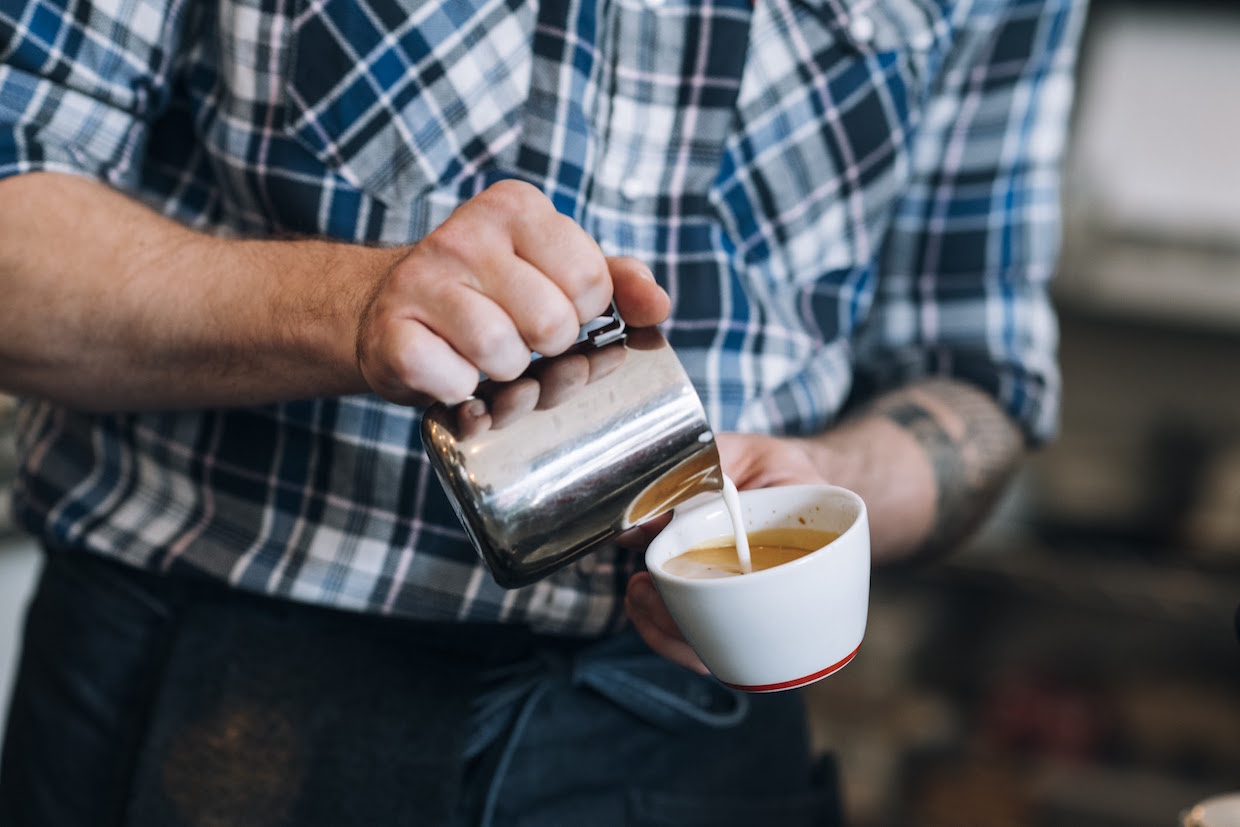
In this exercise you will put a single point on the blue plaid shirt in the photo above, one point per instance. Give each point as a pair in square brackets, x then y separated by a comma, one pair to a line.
[839, 195]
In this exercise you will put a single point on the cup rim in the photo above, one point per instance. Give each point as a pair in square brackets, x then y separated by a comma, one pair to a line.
[728, 582]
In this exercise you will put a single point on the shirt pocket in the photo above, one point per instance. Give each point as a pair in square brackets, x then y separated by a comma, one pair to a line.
[830, 99]
[910, 35]
[399, 97]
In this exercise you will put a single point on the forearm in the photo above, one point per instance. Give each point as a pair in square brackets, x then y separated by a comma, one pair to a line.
[930, 460]
[111, 306]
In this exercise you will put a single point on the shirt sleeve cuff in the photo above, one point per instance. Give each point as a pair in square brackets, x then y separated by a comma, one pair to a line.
[45, 127]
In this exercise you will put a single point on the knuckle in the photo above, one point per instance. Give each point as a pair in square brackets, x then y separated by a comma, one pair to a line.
[566, 228]
[591, 301]
[595, 276]
[583, 275]
[580, 246]
[500, 353]
[490, 340]
[451, 239]
[513, 196]
[407, 368]
[395, 362]
[553, 330]
[596, 300]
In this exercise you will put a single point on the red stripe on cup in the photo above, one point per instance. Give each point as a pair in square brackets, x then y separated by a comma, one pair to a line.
[795, 682]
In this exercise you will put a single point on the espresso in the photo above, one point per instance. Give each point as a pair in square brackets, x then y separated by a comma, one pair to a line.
[767, 548]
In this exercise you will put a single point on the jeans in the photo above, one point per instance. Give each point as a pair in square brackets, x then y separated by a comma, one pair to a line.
[146, 701]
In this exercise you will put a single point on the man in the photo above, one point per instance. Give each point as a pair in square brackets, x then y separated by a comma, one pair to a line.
[241, 243]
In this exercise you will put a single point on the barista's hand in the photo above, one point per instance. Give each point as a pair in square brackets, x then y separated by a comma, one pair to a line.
[758, 461]
[752, 461]
[652, 620]
[505, 275]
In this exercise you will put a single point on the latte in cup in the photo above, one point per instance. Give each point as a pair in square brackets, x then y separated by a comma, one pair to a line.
[767, 548]
[793, 623]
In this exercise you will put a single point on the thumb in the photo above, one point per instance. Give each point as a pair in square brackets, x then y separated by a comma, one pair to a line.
[736, 456]
[639, 298]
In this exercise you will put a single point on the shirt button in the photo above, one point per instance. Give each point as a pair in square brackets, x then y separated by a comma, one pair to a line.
[633, 188]
[862, 28]
[923, 41]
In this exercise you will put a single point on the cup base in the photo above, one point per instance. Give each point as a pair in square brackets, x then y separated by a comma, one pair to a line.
[796, 682]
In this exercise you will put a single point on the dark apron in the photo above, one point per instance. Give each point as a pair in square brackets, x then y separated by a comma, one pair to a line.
[158, 702]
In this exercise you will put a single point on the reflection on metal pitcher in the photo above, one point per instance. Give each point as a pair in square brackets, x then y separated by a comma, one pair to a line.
[579, 448]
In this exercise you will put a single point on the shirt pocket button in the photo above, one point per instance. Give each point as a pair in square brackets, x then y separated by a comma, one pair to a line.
[862, 28]
[633, 188]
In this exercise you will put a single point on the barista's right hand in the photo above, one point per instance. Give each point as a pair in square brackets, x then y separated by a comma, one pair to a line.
[505, 275]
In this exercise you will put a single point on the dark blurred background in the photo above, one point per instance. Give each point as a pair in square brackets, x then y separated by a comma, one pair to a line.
[1077, 665]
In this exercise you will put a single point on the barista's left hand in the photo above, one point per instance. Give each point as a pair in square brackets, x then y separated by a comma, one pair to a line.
[752, 461]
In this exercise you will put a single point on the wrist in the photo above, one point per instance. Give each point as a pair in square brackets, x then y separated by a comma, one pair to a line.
[885, 465]
[322, 291]
[838, 454]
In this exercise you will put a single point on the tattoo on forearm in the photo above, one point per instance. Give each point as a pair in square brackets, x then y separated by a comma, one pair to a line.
[972, 446]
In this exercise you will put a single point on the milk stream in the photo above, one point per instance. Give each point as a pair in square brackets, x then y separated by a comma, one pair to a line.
[732, 500]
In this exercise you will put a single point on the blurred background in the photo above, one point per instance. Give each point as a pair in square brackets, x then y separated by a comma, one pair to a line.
[1077, 664]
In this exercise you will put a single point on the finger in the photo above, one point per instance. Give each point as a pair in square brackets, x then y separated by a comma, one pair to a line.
[404, 359]
[651, 606]
[673, 649]
[651, 620]
[553, 244]
[477, 328]
[639, 298]
[541, 312]
[474, 249]
[558, 247]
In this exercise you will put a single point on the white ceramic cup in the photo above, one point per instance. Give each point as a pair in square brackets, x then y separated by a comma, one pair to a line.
[783, 627]
[1217, 811]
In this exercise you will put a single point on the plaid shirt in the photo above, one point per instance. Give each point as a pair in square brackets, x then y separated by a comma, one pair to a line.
[839, 195]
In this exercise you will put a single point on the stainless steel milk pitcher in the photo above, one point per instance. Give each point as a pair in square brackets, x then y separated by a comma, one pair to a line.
[581, 447]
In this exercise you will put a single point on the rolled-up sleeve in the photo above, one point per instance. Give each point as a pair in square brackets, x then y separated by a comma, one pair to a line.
[966, 268]
[80, 83]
